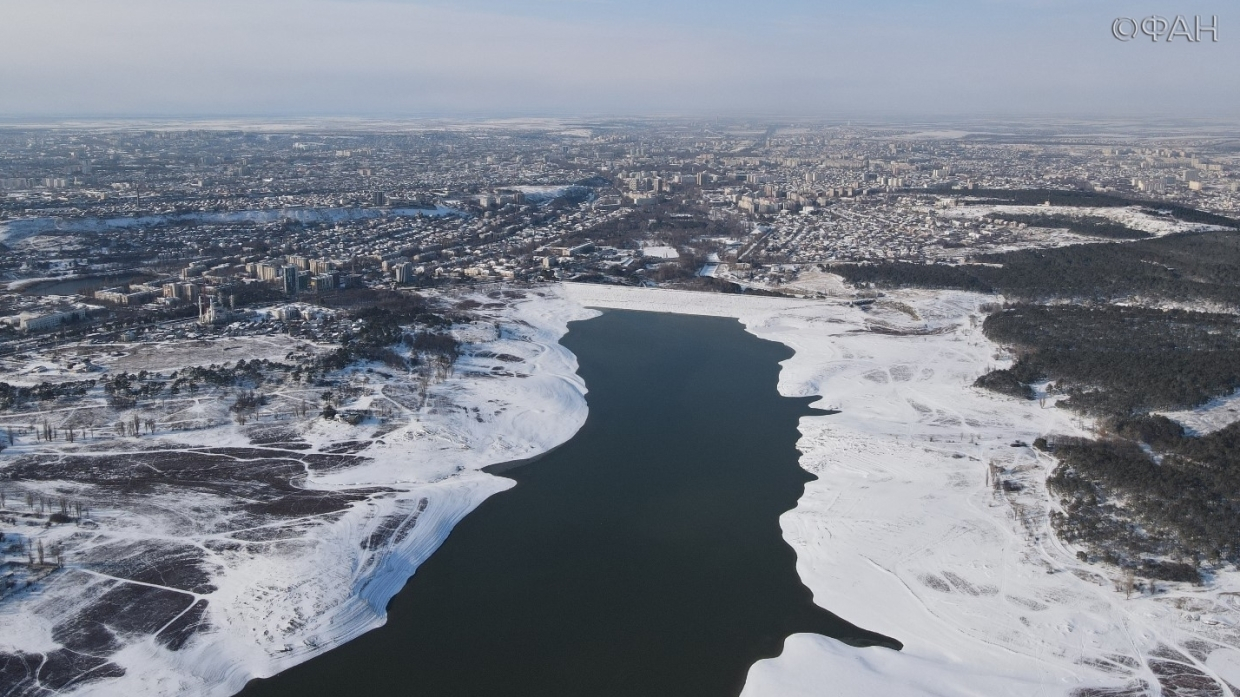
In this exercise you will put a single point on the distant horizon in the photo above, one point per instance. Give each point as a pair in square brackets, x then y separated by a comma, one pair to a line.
[978, 122]
[105, 59]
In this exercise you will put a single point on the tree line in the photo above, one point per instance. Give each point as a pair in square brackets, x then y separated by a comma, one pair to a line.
[1117, 360]
[1164, 512]
[1185, 267]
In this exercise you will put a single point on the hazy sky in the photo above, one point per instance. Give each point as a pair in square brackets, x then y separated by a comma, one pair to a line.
[624, 57]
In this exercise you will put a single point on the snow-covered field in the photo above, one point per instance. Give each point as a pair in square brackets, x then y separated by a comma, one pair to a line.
[283, 591]
[903, 532]
[661, 252]
[1210, 417]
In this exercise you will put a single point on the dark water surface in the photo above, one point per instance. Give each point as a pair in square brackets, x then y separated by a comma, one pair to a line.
[643, 558]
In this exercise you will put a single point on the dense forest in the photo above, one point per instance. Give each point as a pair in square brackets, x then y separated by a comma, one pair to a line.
[674, 224]
[1180, 504]
[1117, 360]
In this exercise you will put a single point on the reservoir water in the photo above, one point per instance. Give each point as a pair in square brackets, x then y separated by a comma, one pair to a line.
[643, 558]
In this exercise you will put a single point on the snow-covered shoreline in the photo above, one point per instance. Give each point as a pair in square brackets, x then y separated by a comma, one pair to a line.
[438, 459]
[286, 592]
[901, 533]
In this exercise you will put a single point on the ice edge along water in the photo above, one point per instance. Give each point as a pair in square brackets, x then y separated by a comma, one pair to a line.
[901, 533]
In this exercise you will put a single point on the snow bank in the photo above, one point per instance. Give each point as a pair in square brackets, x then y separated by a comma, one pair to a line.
[902, 533]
